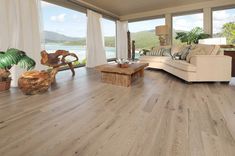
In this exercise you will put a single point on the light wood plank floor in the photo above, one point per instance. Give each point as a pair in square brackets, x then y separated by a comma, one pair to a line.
[160, 115]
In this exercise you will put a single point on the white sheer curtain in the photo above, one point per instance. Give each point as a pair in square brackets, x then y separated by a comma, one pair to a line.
[20, 28]
[95, 40]
[122, 46]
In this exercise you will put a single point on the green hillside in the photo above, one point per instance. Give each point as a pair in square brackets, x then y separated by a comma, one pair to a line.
[109, 41]
[145, 39]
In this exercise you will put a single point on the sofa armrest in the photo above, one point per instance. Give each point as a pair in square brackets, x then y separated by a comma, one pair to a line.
[211, 59]
[213, 66]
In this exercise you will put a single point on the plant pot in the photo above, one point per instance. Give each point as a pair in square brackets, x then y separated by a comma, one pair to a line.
[5, 85]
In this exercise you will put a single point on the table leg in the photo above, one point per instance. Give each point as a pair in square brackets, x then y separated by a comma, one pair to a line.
[141, 73]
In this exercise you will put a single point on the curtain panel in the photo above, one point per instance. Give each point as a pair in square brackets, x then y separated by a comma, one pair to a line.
[95, 51]
[122, 45]
[20, 28]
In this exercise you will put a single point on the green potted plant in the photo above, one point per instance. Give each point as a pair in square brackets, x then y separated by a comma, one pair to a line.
[193, 36]
[10, 58]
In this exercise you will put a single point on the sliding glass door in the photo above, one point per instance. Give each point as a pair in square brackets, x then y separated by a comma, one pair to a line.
[109, 32]
[64, 29]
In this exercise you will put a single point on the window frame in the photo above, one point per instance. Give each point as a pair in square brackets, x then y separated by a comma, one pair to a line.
[75, 7]
[192, 12]
[221, 8]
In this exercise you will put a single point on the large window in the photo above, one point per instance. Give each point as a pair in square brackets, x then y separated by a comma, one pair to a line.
[64, 29]
[224, 24]
[109, 32]
[186, 23]
[143, 32]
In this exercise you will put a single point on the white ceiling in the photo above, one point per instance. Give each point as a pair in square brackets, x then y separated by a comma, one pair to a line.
[126, 7]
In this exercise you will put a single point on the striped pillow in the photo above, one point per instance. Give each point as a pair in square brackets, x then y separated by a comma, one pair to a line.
[156, 52]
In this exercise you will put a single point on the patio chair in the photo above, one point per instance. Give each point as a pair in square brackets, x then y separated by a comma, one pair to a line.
[58, 59]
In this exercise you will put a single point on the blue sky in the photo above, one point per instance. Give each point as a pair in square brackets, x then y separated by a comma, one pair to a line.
[73, 23]
[69, 22]
[221, 17]
[145, 25]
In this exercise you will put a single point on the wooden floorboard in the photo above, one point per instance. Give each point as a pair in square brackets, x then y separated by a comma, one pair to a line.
[160, 115]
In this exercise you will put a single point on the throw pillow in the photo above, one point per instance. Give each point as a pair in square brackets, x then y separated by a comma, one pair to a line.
[166, 52]
[200, 49]
[184, 52]
[176, 56]
[216, 50]
[155, 52]
[176, 48]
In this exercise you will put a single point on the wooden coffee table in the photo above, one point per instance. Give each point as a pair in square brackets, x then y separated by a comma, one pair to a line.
[113, 74]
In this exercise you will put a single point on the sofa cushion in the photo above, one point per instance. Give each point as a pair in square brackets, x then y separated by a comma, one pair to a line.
[182, 65]
[176, 48]
[202, 49]
[176, 56]
[185, 52]
[160, 59]
[182, 54]
[216, 50]
[166, 52]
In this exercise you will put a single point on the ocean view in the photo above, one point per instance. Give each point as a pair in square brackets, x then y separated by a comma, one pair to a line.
[80, 51]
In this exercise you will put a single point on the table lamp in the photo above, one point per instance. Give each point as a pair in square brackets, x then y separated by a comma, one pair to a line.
[163, 32]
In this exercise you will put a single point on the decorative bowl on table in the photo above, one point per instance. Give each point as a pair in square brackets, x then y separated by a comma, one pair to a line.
[122, 63]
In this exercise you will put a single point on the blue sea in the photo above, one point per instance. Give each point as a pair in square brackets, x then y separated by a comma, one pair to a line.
[80, 51]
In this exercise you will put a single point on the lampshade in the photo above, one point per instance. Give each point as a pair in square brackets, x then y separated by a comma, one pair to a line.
[161, 30]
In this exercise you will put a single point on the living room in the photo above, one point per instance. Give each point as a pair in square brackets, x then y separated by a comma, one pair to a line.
[147, 78]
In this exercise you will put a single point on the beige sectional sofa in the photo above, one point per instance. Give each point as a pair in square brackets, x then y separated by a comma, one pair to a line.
[205, 63]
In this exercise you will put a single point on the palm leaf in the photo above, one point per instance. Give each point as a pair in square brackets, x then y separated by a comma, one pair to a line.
[27, 63]
[1, 56]
[182, 36]
[10, 57]
[192, 36]
[14, 57]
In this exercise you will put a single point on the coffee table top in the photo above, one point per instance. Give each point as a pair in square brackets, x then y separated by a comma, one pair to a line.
[114, 68]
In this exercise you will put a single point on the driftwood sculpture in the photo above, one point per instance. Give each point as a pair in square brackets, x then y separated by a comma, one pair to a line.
[58, 59]
[34, 82]
[129, 44]
[133, 50]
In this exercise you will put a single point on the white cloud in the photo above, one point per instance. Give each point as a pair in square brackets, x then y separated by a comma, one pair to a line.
[182, 24]
[221, 15]
[145, 25]
[58, 18]
[188, 22]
